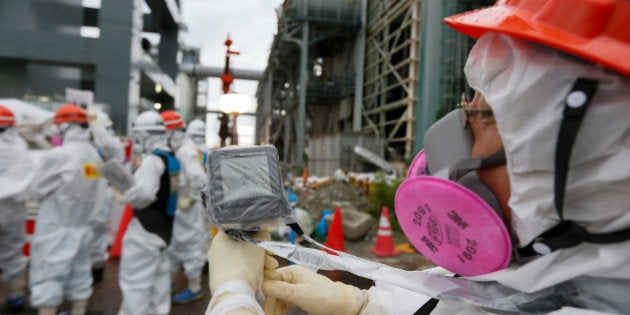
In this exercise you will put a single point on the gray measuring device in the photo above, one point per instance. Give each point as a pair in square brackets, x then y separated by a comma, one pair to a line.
[244, 190]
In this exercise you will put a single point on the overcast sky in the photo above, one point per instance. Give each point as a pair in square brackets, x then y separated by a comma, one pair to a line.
[251, 25]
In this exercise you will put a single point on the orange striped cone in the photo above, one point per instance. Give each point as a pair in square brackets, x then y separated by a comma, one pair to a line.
[335, 234]
[304, 176]
[384, 239]
[116, 249]
[29, 225]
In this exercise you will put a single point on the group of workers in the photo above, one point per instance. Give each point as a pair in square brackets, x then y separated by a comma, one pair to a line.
[70, 242]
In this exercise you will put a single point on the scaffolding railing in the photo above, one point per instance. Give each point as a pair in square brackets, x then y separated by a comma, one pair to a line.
[330, 88]
[324, 11]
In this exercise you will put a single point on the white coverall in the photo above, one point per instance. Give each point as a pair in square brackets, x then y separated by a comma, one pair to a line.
[70, 188]
[16, 171]
[190, 229]
[111, 149]
[144, 276]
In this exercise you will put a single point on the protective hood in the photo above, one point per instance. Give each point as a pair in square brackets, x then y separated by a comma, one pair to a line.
[10, 138]
[176, 138]
[526, 85]
[75, 132]
[18, 167]
[149, 141]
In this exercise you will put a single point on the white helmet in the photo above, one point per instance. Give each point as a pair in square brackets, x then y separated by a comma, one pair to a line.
[196, 128]
[149, 132]
[149, 121]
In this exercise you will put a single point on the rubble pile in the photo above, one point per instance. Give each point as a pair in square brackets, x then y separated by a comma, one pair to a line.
[333, 195]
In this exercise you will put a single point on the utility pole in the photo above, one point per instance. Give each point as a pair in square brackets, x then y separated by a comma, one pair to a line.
[227, 78]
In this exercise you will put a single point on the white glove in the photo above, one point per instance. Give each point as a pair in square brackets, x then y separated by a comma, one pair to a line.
[312, 292]
[184, 203]
[236, 260]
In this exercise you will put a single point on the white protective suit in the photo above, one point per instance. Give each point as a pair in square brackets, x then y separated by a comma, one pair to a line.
[525, 85]
[110, 148]
[17, 169]
[513, 75]
[144, 267]
[69, 186]
[190, 229]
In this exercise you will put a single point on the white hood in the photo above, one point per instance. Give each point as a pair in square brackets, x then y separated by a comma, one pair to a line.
[76, 133]
[526, 84]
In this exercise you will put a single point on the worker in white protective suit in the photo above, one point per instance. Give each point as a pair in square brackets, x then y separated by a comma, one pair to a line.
[196, 131]
[69, 188]
[144, 267]
[15, 175]
[189, 231]
[110, 149]
[548, 143]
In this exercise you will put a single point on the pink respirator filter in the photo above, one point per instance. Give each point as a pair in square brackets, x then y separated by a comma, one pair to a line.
[418, 165]
[452, 226]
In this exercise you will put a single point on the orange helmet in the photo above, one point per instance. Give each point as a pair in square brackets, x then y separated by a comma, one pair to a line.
[7, 119]
[70, 113]
[596, 30]
[172, 119]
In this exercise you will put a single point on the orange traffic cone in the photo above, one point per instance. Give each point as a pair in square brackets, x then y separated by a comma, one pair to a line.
[384, 240]
[335, 234]
[304, 176]
[116, 249]
[30, 230]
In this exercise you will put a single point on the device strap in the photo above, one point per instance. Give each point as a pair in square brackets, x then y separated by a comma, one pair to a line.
[427, 307]
[567, 233]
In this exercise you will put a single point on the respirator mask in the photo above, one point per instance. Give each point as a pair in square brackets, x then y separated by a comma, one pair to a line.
[58, 133]
[176, 138]
[147, 140]
[451, 216]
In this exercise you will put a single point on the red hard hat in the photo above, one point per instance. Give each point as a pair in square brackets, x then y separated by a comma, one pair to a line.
[172, 119]
[596, 30]
[7, 119]
[70, 113]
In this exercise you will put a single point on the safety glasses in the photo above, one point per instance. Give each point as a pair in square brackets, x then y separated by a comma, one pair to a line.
[468, 113]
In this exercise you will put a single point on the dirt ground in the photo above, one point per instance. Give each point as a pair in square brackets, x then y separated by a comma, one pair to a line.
[341, 194]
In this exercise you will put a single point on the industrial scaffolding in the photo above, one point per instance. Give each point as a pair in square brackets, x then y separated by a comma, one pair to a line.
[391, 72]
[309, 85]
[383, 68]
[443, 53]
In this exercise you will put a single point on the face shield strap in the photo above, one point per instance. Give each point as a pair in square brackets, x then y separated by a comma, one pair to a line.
[568, 233]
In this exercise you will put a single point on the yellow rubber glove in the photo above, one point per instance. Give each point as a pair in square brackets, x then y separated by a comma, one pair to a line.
[91, 116]
[312, 292]
[184, 203]
[272, 305]
[236, 260]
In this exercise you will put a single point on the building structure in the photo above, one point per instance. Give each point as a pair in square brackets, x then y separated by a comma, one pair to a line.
[443, 53]
[125, 51]
[389, 69]
[308, 87]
